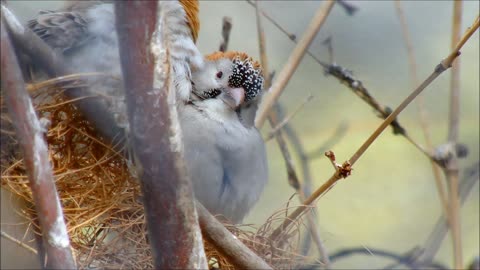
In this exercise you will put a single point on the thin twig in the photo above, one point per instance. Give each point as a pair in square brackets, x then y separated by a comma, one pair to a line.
[289, 35]
[20, 243]
[327, 67]
[348, 7]
[439, 69]
[434, 240]
[346, 77]
[442, 194]
[401, 259]
[452, 169]
[286, 119]
[292, 174]
[30, 134]
[229, 245]
[226, 28]
[293, 62]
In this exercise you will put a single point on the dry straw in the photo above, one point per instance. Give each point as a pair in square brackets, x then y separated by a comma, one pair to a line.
[101, 197]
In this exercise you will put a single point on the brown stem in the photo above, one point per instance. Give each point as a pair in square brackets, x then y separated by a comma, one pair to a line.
[293, 61]
[226, 28]
[172, 222]
[439, 69]
[289, 35]
[442, 194]
[279, 136]
[452, 170]
[226, 243]
[436, 237]
[18, 242]
[30, 134]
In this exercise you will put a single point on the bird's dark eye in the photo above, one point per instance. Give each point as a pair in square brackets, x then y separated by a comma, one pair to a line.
[219, 74]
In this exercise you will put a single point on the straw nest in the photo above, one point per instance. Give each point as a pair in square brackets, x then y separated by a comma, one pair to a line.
[100, 196]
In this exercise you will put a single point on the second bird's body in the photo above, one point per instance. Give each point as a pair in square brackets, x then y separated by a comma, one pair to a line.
[226, 160]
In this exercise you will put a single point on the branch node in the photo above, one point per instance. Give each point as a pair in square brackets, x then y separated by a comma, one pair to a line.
[344, 170]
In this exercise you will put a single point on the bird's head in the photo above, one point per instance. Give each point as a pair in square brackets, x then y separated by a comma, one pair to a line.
[233, 77]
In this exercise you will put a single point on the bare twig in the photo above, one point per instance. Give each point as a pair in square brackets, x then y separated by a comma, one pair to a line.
[421, 108]
[452, 169]
[401, 259]
[226, 28]
[293, 62]
[20, 243]
[292, 174]
[172, 222]
[289, 35]
[348, 7]
[30, 133]
[286, 119]
[347, 78]
[434, 241]
[229, 245]
[439, 69]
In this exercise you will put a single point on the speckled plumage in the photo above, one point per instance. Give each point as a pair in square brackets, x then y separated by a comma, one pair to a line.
[240, 69]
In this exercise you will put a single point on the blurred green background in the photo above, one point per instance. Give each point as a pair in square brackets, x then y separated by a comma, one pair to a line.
[390, 202]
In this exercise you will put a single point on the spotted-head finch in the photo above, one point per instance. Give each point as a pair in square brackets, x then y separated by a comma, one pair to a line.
[224, 152]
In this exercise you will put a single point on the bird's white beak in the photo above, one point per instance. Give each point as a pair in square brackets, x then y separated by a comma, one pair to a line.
[233, 97]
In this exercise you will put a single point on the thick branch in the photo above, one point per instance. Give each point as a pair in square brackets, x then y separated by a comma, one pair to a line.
[173, 230]
[30, 133]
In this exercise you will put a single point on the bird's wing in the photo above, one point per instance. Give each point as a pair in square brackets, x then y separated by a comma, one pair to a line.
[62, 31]
[181, 25]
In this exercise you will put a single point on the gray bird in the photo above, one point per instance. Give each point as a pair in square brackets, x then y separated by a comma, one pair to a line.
[85, 33]
[224, 152]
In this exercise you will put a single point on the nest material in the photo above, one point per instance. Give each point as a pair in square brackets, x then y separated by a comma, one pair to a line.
[101, 198]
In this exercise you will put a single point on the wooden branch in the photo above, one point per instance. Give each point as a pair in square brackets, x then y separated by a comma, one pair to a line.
[226, 243]
[226, 29]
[172, 222]
[293, 62]
[30, 133]
[439, 69]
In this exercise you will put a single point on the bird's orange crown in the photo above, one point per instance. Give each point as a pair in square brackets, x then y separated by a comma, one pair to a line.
[235, 55]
